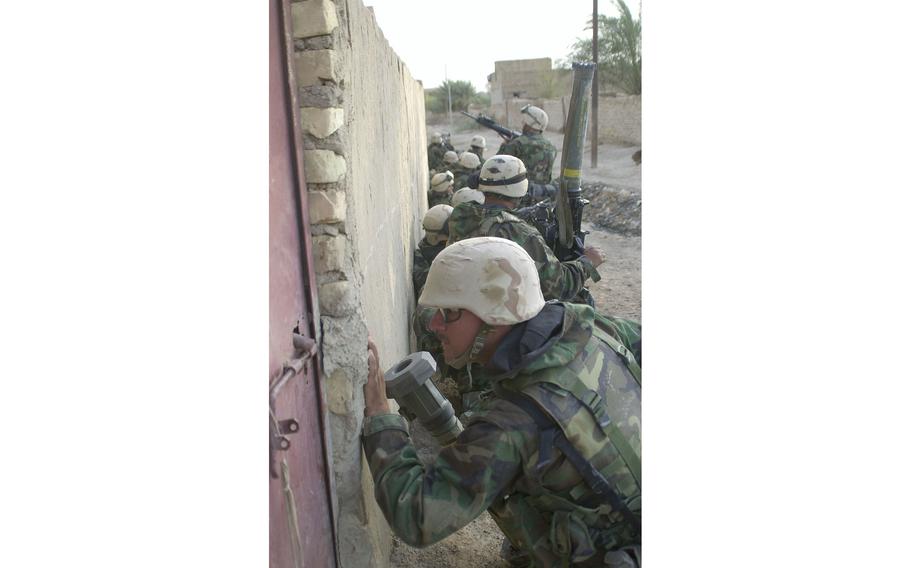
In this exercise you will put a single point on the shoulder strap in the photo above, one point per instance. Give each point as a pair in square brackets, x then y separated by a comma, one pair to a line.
[552, 435]
[626, 355]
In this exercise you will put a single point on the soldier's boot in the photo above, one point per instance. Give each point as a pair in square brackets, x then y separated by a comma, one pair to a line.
[513, 556]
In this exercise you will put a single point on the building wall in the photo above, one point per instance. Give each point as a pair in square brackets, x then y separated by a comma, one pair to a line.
[619, 119]
[619, 116]
[364, 153]
[529, 78]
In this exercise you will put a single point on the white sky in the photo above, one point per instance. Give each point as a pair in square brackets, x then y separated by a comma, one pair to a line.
[468, 36]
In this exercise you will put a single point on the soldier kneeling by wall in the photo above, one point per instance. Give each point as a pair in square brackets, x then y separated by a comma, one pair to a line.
[553, 452]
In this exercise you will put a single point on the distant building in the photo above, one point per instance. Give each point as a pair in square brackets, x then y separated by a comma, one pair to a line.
[528, 79]
[521, 81]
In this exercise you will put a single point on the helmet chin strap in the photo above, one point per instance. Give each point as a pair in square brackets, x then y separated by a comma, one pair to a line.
[470, 354]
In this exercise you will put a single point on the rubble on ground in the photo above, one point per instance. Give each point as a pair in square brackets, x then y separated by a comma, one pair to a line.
[612, 208]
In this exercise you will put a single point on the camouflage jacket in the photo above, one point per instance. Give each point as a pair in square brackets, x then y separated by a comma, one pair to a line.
[434, 198]
[461, 177]
[537, 153]
[423, 258]
[558, 280]
[435, 152]
[498, 463]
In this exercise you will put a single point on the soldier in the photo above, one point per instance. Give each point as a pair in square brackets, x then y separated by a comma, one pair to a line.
[478, 145]
[435, 152]
[436, 229]
[449, 160]
[468, 165]
[537, 153]
[440, 189]
[467, 194]
[503, 181]
[553, 452]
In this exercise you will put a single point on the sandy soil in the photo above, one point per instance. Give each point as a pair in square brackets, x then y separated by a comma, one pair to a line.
[618, 293]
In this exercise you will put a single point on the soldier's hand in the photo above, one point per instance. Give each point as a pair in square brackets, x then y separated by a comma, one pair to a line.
[596, 255]
[375, 401]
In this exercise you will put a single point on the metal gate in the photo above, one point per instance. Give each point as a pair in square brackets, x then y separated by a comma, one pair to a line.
[301, 516]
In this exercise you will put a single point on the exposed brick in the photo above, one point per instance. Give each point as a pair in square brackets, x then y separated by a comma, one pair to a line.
[322, 96]
[334, 230]
[313, 67]
[320, 122]
[313, 18]
[316, 42]
[336, 298]
[339, 392]
[328, 253]
[326, 206]
[323, 166]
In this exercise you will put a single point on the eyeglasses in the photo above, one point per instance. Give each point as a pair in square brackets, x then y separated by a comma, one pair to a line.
[450, 316]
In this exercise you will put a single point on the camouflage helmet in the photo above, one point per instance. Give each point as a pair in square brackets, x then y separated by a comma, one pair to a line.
[450, 157]
[505, 175]
[478, 142]
[493, 278]
[466, 194]
[436, 138]
[435, 223]
[441, 182]
[469, 160]
[535, 117]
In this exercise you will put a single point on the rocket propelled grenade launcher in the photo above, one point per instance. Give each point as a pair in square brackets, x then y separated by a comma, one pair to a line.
[408, 382]
[569, 203]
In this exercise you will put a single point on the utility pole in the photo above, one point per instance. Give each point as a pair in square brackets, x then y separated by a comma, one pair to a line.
[595, 92]
[449, 87]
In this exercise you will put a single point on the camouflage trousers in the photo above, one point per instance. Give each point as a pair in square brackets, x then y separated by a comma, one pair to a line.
[625, 557]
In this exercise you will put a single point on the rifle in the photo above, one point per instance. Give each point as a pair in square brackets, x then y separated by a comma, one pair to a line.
[484, 120]
[447, 140]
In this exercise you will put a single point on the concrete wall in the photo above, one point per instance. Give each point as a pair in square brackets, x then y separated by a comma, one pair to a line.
[364, 151]
[619, 119]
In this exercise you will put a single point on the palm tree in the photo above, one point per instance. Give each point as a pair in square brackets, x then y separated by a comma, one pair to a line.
[619, 49]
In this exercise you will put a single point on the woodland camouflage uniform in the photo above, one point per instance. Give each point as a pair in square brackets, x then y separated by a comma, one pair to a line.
[462, 175]
[558, 280]
[438, 198]
[458, 171]
[423, 258]
[514, 464]
[537, 153]
[435, 152]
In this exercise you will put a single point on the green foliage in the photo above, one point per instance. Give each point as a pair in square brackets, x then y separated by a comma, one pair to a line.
[482, 99]
[618, 49]
[463, 94]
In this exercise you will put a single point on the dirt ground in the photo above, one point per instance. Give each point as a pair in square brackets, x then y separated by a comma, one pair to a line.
[618, 293]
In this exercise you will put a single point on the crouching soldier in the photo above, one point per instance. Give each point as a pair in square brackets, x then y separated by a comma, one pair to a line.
[436, 233]
[440, 189]
[553, 452]
[504, 181]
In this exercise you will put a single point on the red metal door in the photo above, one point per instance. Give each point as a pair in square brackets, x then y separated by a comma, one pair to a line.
[301, 517]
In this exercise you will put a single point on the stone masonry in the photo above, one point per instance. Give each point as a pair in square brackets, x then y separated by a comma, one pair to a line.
[364, 146]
